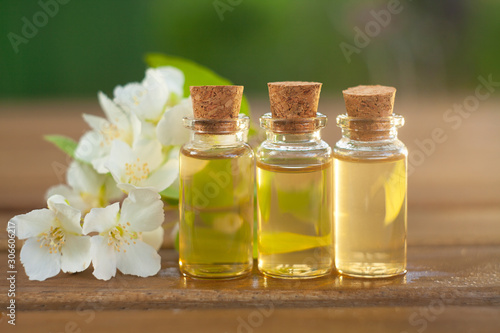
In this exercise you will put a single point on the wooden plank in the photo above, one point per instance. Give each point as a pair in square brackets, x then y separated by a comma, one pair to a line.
[454, 225]
[456, 275]
[431, 318]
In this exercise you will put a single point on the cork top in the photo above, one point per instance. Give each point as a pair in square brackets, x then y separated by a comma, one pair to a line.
[294, 100]
[369, 101]
[369, 104]
[214, 103]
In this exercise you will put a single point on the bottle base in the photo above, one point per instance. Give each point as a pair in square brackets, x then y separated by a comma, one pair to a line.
[371, 270]
[215, 271]
[294, 271]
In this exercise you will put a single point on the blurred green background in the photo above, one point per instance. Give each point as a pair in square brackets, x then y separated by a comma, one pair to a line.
[429, 46]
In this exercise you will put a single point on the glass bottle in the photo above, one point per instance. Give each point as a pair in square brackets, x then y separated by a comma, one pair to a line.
[370, 186]
[294, 185]
[216, 187]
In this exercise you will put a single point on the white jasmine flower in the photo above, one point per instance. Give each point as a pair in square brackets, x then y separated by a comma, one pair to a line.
[170, 129]
[119, 244]
[173, 78]
[94, 146]
[154, 238]
[172, 155]
[143, 166]
[160, 89]
[54, 240]
[86, 188]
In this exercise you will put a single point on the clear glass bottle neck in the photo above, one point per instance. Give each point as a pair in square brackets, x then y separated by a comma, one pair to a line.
[218, 132]
[293, 138]
[293, 130]
[371, 130]
[369, 136]
[214, 139]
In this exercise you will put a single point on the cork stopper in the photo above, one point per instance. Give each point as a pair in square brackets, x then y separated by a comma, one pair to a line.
[216, 103]
[370, 103]
[294, 102]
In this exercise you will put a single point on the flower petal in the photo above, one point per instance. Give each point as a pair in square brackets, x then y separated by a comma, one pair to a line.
[68, 216]
[147, 132]
[113, 112]
[112, 192]
[103, 258]
[76, 255]
[146, 99]
[101, 219]
[120, 155]
[143, 209]
[154, 238]
[84, 179]
[124, 95]
[149, 151]
[138, 259]
[164, 176]
[33, 223]
[170, 129]
[74, 199]
[90, 149]
[173, 78]
[153, 102]
[38, 263]
[56, 199]
[174, 153]
[127, 188]
[99, 164]
[136, 127]
[97, 123]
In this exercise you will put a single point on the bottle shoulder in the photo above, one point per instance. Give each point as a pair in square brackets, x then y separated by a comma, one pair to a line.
[317, 145]
[386, 149]
[313, 153]
[217, 152]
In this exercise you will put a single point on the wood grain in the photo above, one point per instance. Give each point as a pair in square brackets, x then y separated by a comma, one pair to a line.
[456, 275]
[429, 319]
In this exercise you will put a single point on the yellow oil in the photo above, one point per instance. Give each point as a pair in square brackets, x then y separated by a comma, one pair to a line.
[216, 214]
[295, 214]
[370, 217]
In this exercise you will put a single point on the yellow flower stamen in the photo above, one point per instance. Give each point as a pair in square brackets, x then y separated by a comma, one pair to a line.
[110, 132]
[120, 236]
[136, 172]
[54, 239]
[138, 97]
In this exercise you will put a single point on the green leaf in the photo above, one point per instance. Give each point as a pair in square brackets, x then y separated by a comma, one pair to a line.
[64, 143]
[171, 192]
[170, 201]
[195, 75]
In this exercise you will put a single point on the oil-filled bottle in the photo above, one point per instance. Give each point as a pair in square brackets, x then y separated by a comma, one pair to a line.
[370, 182]
[216, 187]
[294, 185]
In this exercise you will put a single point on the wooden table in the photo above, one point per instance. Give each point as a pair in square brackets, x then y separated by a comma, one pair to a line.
[453, 283]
